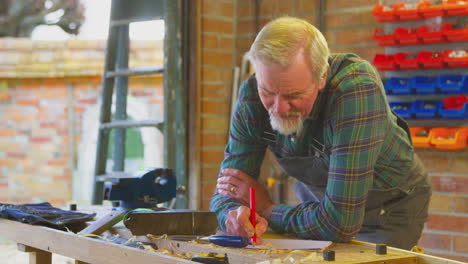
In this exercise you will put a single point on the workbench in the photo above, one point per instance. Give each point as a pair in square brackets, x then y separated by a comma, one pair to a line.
[41, 242]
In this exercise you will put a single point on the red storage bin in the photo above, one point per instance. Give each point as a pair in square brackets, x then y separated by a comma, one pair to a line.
[427, 36]
[384, 39]
[406, 11]
[384, 13]
[406, 36]
[454, 34]
[455, 7]
[407, 61]
[427, 9]
[456, 61]
[431, 60]
[385, 62]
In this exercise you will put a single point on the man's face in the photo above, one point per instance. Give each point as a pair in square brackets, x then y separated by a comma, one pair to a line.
[288, 93]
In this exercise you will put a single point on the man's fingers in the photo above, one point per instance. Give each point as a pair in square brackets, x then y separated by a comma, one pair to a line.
[230, 180]
[225, 187]
[238, 223]
[262, 225]
[236, 173]
[233, 227]
[243, 217]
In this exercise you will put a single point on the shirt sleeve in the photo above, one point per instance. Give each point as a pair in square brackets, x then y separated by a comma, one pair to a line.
[244, 150]
[359, 121]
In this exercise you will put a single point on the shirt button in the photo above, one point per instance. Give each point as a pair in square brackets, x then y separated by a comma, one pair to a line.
[382, 212]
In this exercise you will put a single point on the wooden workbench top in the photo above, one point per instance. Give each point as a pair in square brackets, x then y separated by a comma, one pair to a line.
[90, 250]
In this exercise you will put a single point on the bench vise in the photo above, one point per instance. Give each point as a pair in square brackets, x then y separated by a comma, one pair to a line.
[145, 190]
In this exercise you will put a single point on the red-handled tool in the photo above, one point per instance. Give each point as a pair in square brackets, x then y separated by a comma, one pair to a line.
[253, 219]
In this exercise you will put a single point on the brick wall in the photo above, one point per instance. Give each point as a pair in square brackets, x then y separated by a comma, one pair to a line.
[217, 61]
[39, 81]
[349, 27]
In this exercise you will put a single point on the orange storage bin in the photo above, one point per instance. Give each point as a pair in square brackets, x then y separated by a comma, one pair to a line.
[384, 13]
[449, 138]
[455, 7]
[421, 141]
[427, 9]
[406, 11]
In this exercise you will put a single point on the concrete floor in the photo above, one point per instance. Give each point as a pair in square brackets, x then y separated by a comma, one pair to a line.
[10, 255]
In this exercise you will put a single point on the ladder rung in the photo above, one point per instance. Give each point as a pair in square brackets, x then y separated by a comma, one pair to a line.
[114, 174]
[123, 22]
[135, 71]
[132, 123]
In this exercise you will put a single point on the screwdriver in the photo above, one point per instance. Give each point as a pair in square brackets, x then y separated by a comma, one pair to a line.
[220, 240]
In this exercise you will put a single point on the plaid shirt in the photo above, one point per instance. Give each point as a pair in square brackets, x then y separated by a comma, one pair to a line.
[367, 150]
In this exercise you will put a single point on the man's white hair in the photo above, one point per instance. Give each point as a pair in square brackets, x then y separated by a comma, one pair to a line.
[281, 39]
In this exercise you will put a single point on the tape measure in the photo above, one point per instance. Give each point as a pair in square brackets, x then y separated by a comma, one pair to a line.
[211, 258]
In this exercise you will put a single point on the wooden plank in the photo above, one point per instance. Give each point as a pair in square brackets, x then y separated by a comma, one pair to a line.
[36, 256]
[350, 253]
[78, 247]
[40, 257]
[421, 258]
[104, 223]
[87, 250]
[24, 248]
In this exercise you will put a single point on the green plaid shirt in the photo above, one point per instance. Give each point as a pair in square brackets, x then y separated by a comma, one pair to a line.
[367, 150]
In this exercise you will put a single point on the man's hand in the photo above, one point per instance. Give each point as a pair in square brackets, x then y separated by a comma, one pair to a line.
[236, 183]
[238, 223]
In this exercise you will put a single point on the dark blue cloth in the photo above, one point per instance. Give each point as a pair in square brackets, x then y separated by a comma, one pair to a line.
[43, 214]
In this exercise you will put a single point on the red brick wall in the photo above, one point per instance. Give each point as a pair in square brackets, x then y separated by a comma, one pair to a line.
[34, 134]
[349, 27]
[35, 163]
[217, 61]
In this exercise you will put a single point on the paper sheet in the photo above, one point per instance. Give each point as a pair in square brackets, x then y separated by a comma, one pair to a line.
[269, 243]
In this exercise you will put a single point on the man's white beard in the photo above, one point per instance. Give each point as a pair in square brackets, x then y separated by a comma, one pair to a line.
[286, 126]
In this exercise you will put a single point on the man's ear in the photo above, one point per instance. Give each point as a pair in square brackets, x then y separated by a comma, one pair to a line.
[323, 80]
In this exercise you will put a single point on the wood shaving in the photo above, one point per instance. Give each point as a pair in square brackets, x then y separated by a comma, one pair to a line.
[313, 256]
[272, 261]
[157, 237]
[168, 252]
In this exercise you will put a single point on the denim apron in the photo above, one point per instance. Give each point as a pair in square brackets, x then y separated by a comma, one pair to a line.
[393, 216]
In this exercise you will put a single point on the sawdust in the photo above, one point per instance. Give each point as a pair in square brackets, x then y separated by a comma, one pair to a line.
[167, 252]
[295, 256]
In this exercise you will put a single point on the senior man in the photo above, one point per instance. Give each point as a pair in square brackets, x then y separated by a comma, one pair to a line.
[327, 121]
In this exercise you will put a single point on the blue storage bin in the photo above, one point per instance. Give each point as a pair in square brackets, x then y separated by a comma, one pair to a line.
[402, 109]
[385, 81]
[420, 110]
[452, 83]
[423, 84]
[398, 85]
[454, 114]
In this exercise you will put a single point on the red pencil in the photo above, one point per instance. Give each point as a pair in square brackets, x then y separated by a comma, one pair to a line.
[253, 219]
